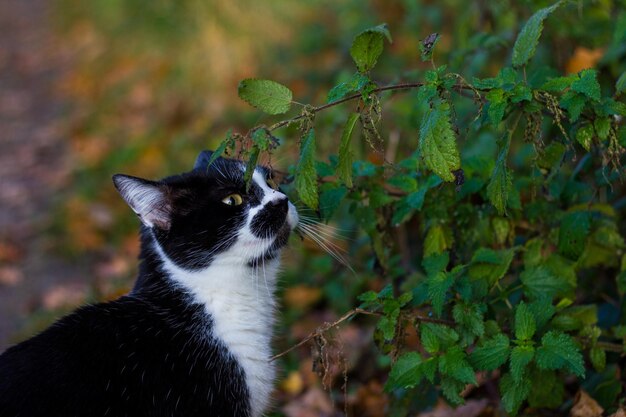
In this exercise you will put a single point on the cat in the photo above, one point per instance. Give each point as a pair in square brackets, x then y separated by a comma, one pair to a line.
[192, 338]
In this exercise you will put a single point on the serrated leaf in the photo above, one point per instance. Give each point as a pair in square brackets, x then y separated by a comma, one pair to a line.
[344, 165]
[602, 126]
[227, 143]
[490, 265]
[574, 103]
[367, 47]
[558, 351]
[387, 325]
[587, 84]
[547, 394]
[429, 368]
[435, 241]
[525, 325]
[542, 310]
[584, 136]
[436, 263]
[539, 282]
[470, 318]
[406, 372]
[527, 40]
[454, 363]
[356, 82]
[558, 84]
[253, 158]
[598, 358]
[437, 142]
[501, 182]
[491, 354]
[266, 95]
[451, 389]
[330, 199]
[435, 337]
[573, 234]
[306, 176]
[438, 286]
[497, 105]
[521, 356]
[513, 392]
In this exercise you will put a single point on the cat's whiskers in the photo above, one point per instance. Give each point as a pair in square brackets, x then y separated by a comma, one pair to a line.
[325, 243]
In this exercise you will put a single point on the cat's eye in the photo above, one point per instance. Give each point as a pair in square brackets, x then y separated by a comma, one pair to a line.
[232, 200]
[272, 183]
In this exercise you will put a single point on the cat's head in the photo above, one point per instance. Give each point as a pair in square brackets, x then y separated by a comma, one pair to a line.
[207, 215]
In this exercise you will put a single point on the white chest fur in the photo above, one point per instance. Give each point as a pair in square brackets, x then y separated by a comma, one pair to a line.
[240, 301]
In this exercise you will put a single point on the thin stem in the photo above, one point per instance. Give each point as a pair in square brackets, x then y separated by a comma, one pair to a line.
[403, 86]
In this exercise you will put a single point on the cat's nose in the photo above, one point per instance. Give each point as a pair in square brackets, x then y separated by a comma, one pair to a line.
[280, 205]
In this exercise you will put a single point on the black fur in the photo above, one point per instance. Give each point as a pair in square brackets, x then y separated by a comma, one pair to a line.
[150, 353]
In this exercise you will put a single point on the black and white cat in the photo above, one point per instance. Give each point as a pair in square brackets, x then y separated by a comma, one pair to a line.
[193, 336]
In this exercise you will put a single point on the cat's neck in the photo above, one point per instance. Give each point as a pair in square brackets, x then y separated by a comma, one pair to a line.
[238, 300]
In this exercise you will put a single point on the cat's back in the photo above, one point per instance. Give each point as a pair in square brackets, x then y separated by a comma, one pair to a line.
[126, 357]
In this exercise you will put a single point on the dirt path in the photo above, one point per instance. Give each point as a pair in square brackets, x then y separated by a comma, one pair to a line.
[34, 159]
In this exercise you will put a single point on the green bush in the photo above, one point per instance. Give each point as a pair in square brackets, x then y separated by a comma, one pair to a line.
[492, 206]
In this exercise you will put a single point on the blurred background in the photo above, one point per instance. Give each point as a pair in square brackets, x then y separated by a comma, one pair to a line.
[93, 88]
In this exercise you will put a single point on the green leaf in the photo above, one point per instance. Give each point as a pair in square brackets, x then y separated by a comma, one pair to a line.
[574, 103]
[367, 47]
[436, 337]
[454, 363]
[306, 176]
[513, 392]
[344, 166]
[353, 85]
[542, 310]
[451, 389]
[525, 325]
[558, 351]
[558, 84]
[491, 354]
[330, 199]
[497, 105]
[587, 84]
[584, 136]
[620, 85]
[435, 241]
[602, 126]
[406, 372]
[549, 393]
[528, 38]
[436, 263]
[521, 356]
[573, 233]
[470, 318]
[598, 358]
[490, 265]
[227, 143]
[438, 286]
[387, 325]
[501, 182]
[266, 95]
[253, 158]
[438, 144]
[539, 282]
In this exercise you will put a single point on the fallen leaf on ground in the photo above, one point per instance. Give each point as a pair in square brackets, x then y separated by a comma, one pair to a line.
[585, 406]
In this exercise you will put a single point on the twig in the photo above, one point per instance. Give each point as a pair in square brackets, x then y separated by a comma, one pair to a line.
[327, 326]
[404, 86]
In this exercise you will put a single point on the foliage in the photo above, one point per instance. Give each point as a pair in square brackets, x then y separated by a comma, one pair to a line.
[477, 171]
[504, 251]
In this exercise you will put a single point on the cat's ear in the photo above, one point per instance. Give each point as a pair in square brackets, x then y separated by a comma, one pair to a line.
[148, 199]
[202, 161]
